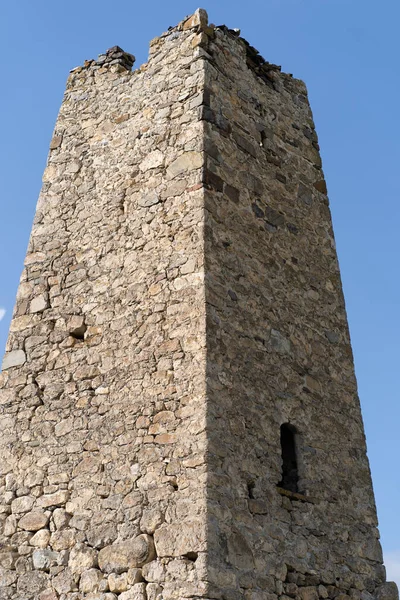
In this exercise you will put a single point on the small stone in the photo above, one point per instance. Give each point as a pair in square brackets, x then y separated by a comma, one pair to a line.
[23, 504]
[30, 584]
[149, 199]
[102, 535]
[178, 539]
[151, 519]
[82, 558]
[56, 142]
[44, 559]
[7, 558]
[153, 591]
[322, 592]
[332, 336]
[33, 521]
[73, 167]
[38, 304]
[90, 580]
[57, 499]
[134, 576]
[10, 525]
[63, 539]
[41, 538]
[60, 518]
[279, 343]
[154, 572]
[188, 161]
[153, 160]
[308, 593]
[64, 582]
[122, 556]
[312, 384]
[48, 595]
[15, 358]
[198, 19]
[137, 592]
[387, 591]
[118, 583]
[321, 186]
[7, 578]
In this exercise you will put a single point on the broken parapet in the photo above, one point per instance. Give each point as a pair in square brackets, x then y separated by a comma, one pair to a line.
[113, 56]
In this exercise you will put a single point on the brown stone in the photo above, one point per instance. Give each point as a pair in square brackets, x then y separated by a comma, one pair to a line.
[33, 521]
[56, 142]
[198, 19]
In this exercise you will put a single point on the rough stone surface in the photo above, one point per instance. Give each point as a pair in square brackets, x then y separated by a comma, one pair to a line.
[180, 301]
[123, 556]
[15, 358]
[33, 521]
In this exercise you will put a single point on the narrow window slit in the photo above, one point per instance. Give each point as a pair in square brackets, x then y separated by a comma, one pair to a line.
[290, 475]
[250, 489]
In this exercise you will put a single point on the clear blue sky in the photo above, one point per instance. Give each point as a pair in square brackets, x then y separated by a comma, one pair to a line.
[347, 51]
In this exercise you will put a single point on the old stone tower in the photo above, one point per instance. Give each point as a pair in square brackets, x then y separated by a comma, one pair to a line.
[179, 411]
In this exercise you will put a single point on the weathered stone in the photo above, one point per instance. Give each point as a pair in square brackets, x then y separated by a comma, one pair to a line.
[33, 521]
[332, 336]
[77, 326]
[38, 304]
[151, 520]
[148, 200]
[120, 557]
[102, 535]
[321, 186]
[82, 558]
[179, 361]
[90, 580]
[48, 595]
[15, 358]
[135, 576]
[41, 538]
[154, 591]
[32, 583]
[308, 593]
[387, 591]
[10, 525]
[56, 499]
[198, 19]
[23, 504]
[44, 559]
[118, 583]
[7, 557]
[154, 572]
[279, 342]
[64, 582]
[153, 160]
[179, 539]
[55, 142]
[137, 592]
[186, 162]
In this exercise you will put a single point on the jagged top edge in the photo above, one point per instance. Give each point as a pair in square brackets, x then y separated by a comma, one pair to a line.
[197, 21]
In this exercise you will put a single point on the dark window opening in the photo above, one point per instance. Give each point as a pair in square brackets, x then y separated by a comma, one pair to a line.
[250, 489]
[191, 556]
[290, 475]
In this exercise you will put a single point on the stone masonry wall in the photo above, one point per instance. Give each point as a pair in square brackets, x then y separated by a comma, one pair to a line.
[278, 350]
[180, 301]
[102, 394]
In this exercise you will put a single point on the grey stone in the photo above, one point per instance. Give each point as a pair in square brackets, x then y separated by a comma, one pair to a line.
[44, 559]
[15, 358]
